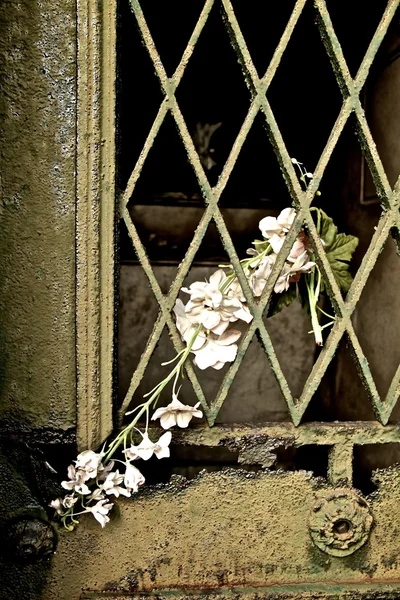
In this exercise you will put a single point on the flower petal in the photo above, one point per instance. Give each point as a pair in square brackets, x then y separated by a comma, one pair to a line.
[219, 329]
[217, 277]
[165, 439]
[205, 357]
[229, 337]
[276, 242]
[244, 314]
[268, 225]
[210, 319]
[227, 353]
[183, 419]
[168, 420]
[286, 218]
[159, 413]
[162, 452]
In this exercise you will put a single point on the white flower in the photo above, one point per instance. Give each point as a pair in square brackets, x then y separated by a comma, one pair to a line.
[105, 471]
[275, 229]
[218, 350]
[112, 485]
[186, 328]
[234, 292]
[100, 511]
[258, 280]
[97, 494]
[291, 272]
[176, 413]
[57, 505]
[212, 350]
[299, 247]
[76, 482]
[90, 462]
[69, 500]
[147, 448]
[133, 478]
[211, 307]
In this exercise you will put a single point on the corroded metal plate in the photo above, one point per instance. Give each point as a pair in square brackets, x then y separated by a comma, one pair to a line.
[226, 530]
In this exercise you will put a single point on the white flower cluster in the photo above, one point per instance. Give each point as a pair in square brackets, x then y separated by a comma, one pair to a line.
[92, 483]
[215, 304]
[205, 324]
[274, 230]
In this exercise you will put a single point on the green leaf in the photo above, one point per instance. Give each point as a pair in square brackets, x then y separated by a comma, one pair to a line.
[261, 246]
[339, 249]
[280, 301]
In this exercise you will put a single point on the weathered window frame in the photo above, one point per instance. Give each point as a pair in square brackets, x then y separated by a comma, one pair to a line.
[95, 220]
[96, 224]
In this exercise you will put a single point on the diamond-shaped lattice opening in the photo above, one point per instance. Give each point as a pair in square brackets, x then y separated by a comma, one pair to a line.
[166, 232]
[167, 177]
[382, 113]
[376, 318]
[213, 96]
[255, 395]
[262, 28]
[341, 192]
[304, 94]
[138, 310]
[355, 25]
[256, 181]
[171, 25]
[137, 106]
[294, 346]
[166, 206]
[341, 395]
[155, 372]
[209, 256]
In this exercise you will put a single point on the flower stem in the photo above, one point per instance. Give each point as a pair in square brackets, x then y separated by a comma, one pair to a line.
[313, 299]
[122, 436]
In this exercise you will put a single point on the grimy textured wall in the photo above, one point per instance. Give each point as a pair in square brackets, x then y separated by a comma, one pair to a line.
[37, 198]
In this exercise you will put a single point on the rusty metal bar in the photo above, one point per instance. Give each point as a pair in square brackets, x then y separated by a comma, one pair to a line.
[324, 434]
[340, 463]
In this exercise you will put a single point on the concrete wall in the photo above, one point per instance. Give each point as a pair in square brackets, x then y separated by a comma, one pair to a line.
[37, 198]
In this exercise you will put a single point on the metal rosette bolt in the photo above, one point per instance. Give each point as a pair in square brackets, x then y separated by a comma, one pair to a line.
[340, 521]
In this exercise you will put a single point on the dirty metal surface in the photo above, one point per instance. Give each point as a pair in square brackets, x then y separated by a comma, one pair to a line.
[280, 592]
[231, 529]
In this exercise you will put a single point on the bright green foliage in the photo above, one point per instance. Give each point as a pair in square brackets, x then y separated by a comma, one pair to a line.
[339, 249]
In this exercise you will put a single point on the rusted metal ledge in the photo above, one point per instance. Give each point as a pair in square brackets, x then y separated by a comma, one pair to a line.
[353, 433]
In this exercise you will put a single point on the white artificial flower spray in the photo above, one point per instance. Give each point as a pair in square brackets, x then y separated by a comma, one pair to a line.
[206, 324]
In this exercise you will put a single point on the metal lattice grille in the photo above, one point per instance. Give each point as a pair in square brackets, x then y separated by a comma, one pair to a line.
[389, 222]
